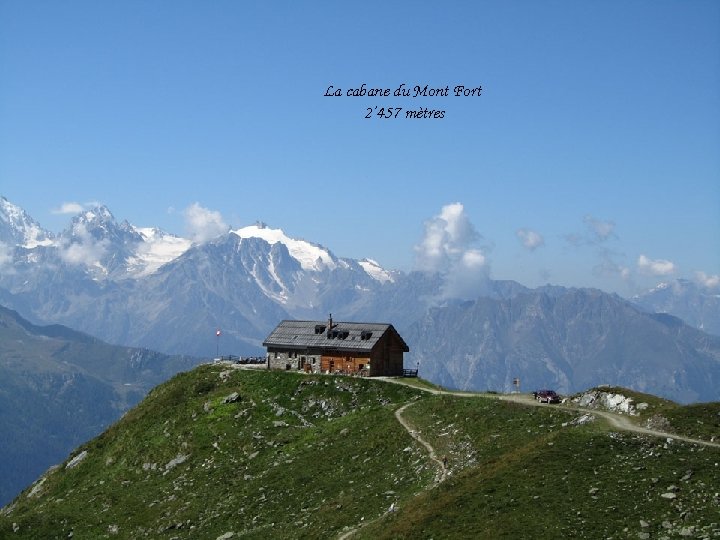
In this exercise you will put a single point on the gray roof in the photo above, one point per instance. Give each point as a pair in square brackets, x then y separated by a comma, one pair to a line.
[345, 336]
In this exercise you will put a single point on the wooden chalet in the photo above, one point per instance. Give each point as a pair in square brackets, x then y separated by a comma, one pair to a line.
[371, 349]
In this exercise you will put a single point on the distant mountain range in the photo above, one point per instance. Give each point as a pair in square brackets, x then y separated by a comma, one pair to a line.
[143, 287]
[59, 388]
[567, 339]
[697, 305]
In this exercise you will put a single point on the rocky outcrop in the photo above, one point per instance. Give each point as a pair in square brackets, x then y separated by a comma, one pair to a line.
[608, 401]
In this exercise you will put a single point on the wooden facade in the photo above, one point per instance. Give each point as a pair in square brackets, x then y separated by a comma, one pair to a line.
[370, 349]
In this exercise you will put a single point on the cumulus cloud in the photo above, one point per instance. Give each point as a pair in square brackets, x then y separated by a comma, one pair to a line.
[447, 237]
[448, 247]
[203, 224]
[656, 267]
[466, 278]
[707, 280]
[84, 249]
[69, 208]
[530, 239]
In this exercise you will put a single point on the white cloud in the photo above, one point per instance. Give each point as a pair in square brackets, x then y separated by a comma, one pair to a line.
[530, 239]
[203, 224]
[69, 208]
[473, 259]
[707, 280]
[447, 236]
[5, 254]
[84, 249]
[601, 230]
[467, 277]
[656, 267]
[448, 247]
[598, 231]
[86, 254]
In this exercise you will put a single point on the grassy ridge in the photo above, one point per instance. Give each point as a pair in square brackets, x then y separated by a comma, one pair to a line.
[301, 456]
[518, 470]
[282, 455]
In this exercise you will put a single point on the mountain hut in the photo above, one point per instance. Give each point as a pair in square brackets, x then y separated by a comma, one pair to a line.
[371, 349]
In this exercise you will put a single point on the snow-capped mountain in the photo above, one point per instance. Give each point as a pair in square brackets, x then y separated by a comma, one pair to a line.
[17, 228]
[696, 304]
[310, 256]
[143, 287]
[94, 243]
[115, 251]
[376, 271]
[126, 283]
[156, 249]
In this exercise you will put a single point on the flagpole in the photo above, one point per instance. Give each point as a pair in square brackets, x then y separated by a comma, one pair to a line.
[217, 343]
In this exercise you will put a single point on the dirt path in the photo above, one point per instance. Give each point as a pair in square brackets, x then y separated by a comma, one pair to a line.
[622, 423]
[440, 477]
[443, 470]
[618, 421]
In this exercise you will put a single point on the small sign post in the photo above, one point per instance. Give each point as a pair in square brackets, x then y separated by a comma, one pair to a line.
[516, 383]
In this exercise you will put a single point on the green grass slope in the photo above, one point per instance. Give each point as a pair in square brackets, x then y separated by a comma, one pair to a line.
[520, 472]
[281, 455]
[216, 450]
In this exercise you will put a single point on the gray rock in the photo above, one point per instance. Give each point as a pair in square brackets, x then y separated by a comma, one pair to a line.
[181, 458]
[74, 462]
[232, 398]
[644, 524]
[37, 488]
[669, 496]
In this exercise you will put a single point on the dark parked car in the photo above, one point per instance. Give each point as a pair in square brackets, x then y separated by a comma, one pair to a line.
[546, 396]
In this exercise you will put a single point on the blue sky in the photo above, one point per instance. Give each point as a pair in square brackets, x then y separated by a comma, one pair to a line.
[590, 159]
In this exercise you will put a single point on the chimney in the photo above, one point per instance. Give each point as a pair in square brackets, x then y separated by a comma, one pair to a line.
[330, 325]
